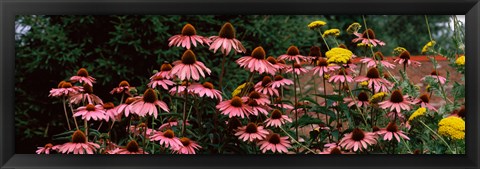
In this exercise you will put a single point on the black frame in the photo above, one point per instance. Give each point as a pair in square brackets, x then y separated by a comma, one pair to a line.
[10, 8]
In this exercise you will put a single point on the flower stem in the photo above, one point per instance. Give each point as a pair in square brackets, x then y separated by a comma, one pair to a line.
[184, 125]
[74, 119]
[295, 141]
[222, 73]
[66, 115]
[440, 137]
[321, 35]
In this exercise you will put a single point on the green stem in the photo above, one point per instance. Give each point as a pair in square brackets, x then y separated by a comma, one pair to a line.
[66, 115]
[440, 137]
[297, 142]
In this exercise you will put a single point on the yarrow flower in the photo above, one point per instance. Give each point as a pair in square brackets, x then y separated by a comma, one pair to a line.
[368, 37]
[187, 38]
[338, 55]
[453, 127]
[225, 41]
[353, 28]
[83, 77]
[377, 97]
[419, 112]
[275, 143]
[331, 32]
[428, 46]
[316, 24]
[79, 145]
[189, 68]
[460, 61]
[398, 50]
[257, 62]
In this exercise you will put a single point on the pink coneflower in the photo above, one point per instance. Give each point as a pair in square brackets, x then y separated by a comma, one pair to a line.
[393, 114]
[257, 62]
[332, 150]
[167, 139]
[397, 102]
[293, 54]
[225, 41]
[368, 37]
[279, 81]
[277, 119]
[86, 95]
[404, 58]
[187, 38]
[94, 112]
[436, 77]
[131, 148]
[141, 129]
[374, 80]
[250, 132]
[275, 143]
[265, 87]
[322, 67]
[125, 107]
[83, 77]
[180, 89]
[424, 100]
[188, 147]
[148, 104]
[279, 104]
[278, 64]
[342, 77]
[164, 71]
[65, 89]
[206, 89]
[257, 108]
[189, 68]
[45, 149]
[160, 81]
[170, 124]
[235, 107]
[261, 99]
[357, 140]
[110, 111]
[361, 101]
[392, 131]
[373, 62]
[297, 69]
[79, 145]
[123, 87]
[314, 55]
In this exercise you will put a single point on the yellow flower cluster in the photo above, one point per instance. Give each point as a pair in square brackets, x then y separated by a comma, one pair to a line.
[428, 46]
[239, 89]
[377, 97]
[331, 32]
[338, 55]
[419, 112]
[316, 24]
[398, 50]
[354, 27]
[364, 45]
[364, 83]
[460, 60]
[453, 127]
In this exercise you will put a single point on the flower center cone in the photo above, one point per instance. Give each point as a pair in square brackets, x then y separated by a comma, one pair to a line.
[188, 30]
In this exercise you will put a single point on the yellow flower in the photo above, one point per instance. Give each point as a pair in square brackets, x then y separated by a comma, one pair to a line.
[364, 45]
[428, 88]
[428, 46]
[460, 60]
[453, 127]
[354, 27]
[326, 76]
[316, 24]
[338, 55]
[238, 89]
[364, 83]
[398, 50]
[420, 112]
[377, 97]
[331, 32]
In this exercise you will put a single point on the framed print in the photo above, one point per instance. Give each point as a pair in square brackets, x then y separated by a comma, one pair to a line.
[239, 84]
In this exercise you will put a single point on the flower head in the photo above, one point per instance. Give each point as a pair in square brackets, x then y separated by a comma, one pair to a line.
[277, 119]
[396, 102]
[167, 139]
[392, 131]
[419, 112]
[460, 60]
[189, 68]
[358, 140]
[316, 24]
[368, 37]
[428, 46]
[235, 107]
[331, 32]
[453, 127]
[188, 146]
[338, 55]
[275, 143]
[257, 62]
[83, 77]
[293, 54]
[251, 132]
[131, 148]
[206, 89]
[94, 112]
[78, 145]
[148, 104]
[398, 50]
[65, 89]
[187, 38]
[353, 28]
[225, 41]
